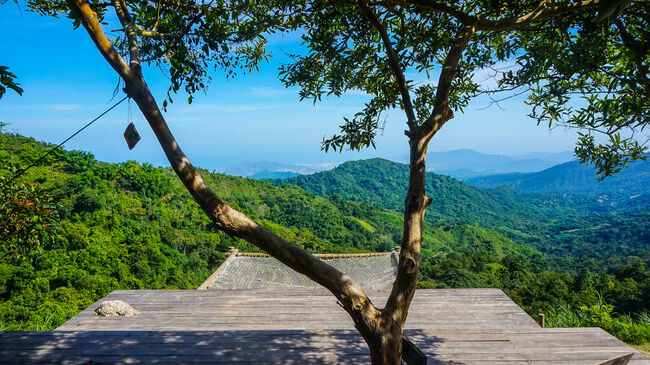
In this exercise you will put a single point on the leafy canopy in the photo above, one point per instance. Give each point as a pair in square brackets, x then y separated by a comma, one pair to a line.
[8, 81]
[581, 64]
[576, 72]
[27, 217]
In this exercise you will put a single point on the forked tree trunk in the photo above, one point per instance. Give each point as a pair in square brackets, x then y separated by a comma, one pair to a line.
[381, 329]
[382, 334]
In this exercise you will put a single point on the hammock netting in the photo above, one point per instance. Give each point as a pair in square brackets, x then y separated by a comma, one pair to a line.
[376, 272]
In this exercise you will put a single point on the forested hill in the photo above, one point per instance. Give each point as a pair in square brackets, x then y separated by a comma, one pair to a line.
[105, 226]
[573, 177]
[101, 227]
[384, 183]
[559, 224]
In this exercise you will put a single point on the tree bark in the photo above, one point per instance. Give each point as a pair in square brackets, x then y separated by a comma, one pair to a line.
[352, 298]
[381, 329]
[386, 345]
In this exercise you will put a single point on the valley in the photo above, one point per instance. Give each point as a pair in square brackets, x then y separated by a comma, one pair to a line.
[133, 226]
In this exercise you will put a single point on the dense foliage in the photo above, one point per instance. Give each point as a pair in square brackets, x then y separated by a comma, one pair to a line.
[576, 178]
[8, 81]
[426, 56]
[27, 217]
[133, 226]
[106, 236]
[579, 66]
[588, 230]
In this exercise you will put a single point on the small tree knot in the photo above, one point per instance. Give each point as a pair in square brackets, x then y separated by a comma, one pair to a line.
[409, 265]
[427, 201]
[130, 90]
[357, 306]
[449, 114]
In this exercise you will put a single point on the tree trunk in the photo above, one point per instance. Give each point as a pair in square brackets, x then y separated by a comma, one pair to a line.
[227, 219]
[386, 345]
[381, 329]
[385, 341]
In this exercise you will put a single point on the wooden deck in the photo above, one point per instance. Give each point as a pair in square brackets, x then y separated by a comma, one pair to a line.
[458, 326]
[295, 309]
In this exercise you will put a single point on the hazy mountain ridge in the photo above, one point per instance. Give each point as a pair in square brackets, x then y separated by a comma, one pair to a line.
[573, 177]
[459, 164]
[268, 169]
[266, 174]
[465, 163]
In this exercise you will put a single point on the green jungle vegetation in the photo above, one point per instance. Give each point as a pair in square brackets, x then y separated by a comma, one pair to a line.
[585, 231]
[574, 177]
[73, 229]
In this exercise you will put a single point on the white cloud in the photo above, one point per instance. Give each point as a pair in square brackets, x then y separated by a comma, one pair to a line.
[267, 91]
[487, 77]
[233, 108]
[56, 107]
[61, 106]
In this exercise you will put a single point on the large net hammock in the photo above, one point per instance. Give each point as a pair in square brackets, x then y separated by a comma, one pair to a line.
[376, 272]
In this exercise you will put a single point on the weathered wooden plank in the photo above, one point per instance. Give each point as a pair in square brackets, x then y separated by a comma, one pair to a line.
[296, 308]
[440, 349]
[459, 326]
[582, 362]
[288, 358]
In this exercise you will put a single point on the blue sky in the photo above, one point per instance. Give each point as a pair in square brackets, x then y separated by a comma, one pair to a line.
[250, 118]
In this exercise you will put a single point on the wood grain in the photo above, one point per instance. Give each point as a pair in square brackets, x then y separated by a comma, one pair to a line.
[305, 326]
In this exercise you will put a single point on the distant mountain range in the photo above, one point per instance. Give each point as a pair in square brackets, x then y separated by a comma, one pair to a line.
[460, 164]
[464, 163]
[561, 224]
[266, 174]
[273, 170]
[573, 177]
[536, 172]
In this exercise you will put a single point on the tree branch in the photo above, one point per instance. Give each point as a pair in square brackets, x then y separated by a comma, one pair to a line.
[103, 44]
[439, 7]
[154, 34]
[441, 111]
[416, 201]
[542, 11]
[128, 24]
[394, 64]
[633, 45]
[179, 5]
[227, 219]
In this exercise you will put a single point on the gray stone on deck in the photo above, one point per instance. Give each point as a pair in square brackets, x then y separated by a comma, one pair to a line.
[110, 308]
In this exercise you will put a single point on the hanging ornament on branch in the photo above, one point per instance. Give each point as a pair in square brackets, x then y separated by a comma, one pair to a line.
[130, 133]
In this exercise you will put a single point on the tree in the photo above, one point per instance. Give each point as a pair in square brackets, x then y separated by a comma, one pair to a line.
[7, 81]
[560, 51]
[27, 217]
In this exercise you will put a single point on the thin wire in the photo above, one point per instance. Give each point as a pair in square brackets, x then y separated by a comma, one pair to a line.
[129, 116]
[21, 172]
